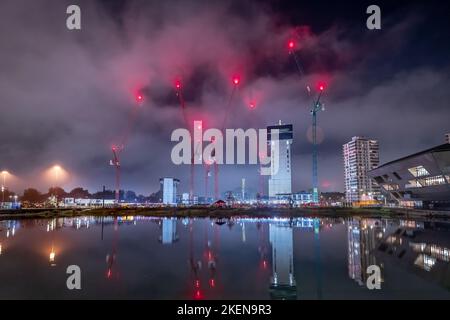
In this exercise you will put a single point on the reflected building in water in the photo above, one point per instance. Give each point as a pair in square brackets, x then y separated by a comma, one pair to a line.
[412, 247]
[363, 237]
[168, 231]
[283, 285]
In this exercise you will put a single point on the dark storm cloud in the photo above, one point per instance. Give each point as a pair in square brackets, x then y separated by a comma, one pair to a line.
[66, 96]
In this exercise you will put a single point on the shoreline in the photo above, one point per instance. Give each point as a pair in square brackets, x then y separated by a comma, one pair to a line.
[223, 213]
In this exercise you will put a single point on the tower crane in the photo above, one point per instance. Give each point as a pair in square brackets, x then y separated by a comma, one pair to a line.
[116, 163]
[117, 149]
[316, 107]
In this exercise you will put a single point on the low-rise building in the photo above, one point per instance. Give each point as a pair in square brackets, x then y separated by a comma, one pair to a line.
[421, 179]
[82, 202]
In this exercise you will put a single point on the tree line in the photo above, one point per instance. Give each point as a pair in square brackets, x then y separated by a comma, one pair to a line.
[33, 195]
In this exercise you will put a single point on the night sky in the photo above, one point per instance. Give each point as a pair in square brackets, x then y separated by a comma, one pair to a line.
[66, 96]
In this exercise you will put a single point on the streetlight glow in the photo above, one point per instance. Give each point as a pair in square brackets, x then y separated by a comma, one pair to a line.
[52, 256]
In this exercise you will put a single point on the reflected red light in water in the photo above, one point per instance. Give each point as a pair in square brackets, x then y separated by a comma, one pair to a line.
[198, 295]
[212, 283]
[197, 283]
[264, 264]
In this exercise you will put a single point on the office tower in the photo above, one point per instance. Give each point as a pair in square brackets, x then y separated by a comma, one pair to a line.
[280, 181]
[169, 190]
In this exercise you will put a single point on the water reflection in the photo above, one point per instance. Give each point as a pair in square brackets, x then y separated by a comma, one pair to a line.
[413, 247]
[283, 284]
[169, 231]
[239, 258]
[363, 237]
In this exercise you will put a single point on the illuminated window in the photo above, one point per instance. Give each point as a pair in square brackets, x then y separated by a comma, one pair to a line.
[389, 187]
[413, 184]
[428, 262]
[419, 171]
[426, 182]
[432, 181]
[425, 262]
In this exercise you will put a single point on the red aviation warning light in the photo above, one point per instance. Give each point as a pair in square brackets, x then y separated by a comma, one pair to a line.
[178, 84]
[236, 80]
[252, 105]
[291, 45]
[321, 86]
[139, 97]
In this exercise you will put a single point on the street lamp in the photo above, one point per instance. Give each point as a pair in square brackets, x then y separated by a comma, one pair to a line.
[52, 257]
[4, 173]
[56, 172]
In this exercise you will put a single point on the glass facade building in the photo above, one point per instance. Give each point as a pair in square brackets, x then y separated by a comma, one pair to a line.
[360, 156]
[280, 181]
[423, 177]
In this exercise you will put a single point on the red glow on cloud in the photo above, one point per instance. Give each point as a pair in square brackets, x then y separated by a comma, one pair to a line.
[326, 184]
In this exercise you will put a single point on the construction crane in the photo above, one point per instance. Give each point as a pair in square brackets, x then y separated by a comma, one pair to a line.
[235, 82]
[316, 107]
[117, 149]
[116, 163]
[179, 94]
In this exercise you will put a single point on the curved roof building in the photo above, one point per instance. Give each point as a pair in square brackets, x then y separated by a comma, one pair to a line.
[423, 176]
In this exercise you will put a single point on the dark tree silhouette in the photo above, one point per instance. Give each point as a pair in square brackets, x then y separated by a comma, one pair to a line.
[31, 195]
[79, 193]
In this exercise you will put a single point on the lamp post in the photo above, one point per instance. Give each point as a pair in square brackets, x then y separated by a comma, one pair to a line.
[4, 174]
[56, 172]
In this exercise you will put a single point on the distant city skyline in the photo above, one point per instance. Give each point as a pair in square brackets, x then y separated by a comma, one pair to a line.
[66, 96]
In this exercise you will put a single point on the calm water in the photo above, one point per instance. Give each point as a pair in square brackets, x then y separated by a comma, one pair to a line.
[149, 258]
